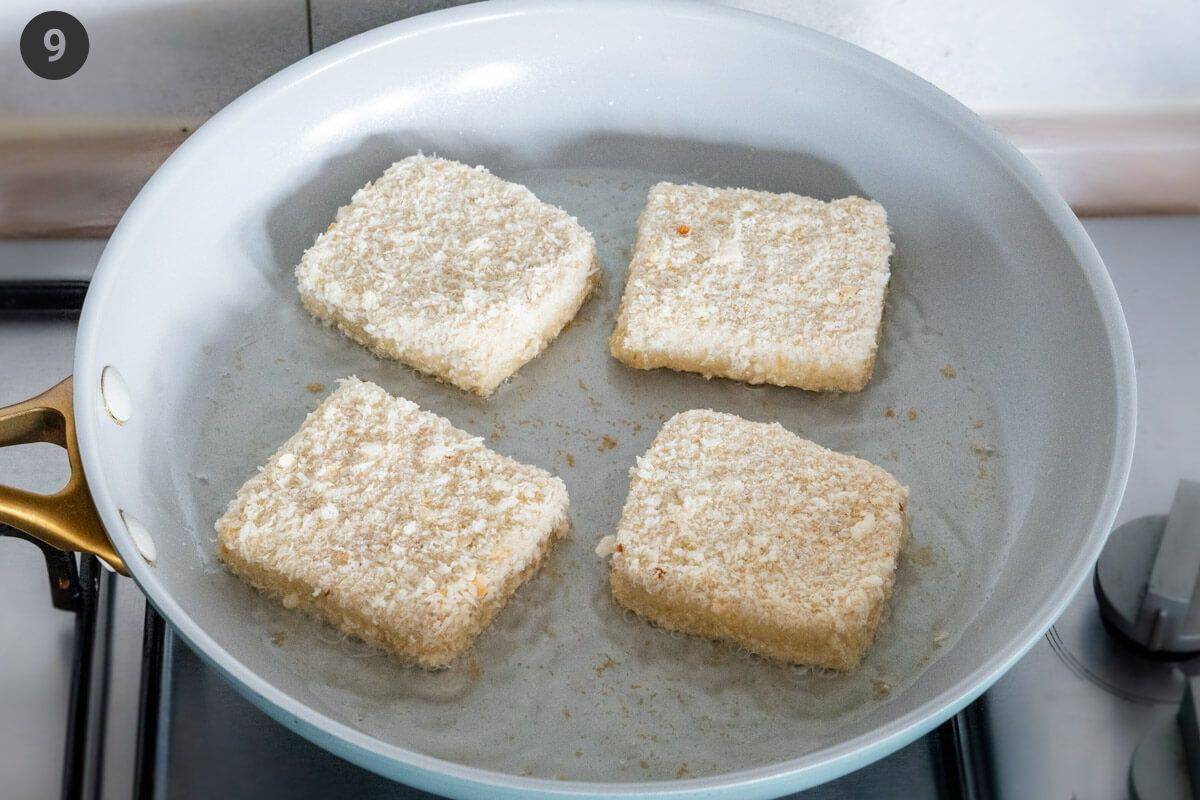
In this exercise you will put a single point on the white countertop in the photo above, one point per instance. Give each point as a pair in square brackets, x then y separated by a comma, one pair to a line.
[184, 59]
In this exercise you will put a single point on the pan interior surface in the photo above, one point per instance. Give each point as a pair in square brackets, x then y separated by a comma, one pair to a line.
[996, 397]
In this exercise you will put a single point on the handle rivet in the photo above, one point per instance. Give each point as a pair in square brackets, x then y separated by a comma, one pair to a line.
[140, 536]
[115, 392]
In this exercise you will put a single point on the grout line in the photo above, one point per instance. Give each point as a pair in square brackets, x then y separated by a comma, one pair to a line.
[308, 24]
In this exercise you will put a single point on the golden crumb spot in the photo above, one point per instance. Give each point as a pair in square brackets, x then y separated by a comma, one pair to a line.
[912, 415]
[921, 556]
[880, 687]
[682, 772]
[684, 230]
[570, 459]
[605, 664]
[606, 443]
[583, 386]
[890, 413]
[566, 713]
[277, 639]
[644, 764]
[977, 424]
[315, 388]
[526, 771]
[474, 670]
[949, 372]
[579, 754]
[939, 637]
[982, 473]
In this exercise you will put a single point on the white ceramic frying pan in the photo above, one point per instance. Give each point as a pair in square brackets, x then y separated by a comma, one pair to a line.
[1016, 464]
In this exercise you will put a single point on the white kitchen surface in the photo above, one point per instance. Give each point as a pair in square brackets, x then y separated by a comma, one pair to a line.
[151, 63]
[1103, 96]
[1023, 56]
[184, 59]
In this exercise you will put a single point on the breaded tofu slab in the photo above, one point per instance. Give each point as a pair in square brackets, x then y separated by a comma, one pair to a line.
[392, 525]
[756, 286]
[449, 269]
[743, 531]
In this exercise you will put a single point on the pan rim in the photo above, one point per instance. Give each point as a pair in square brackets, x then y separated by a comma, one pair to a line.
[438, 775]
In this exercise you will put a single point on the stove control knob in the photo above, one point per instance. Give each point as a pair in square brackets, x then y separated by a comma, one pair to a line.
[1147, 576]
[1166, 763]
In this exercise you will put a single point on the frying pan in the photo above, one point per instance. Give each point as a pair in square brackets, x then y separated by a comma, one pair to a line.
[1003, 396]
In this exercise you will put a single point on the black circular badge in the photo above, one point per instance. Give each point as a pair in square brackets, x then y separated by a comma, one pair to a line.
[54, 45]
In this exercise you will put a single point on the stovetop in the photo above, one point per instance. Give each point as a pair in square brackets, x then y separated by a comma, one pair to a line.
[1063, 723]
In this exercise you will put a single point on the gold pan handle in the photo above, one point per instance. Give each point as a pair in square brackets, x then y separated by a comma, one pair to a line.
[66, 519]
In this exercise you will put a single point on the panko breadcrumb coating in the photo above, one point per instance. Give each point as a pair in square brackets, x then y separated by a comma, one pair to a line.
[449, 269]
[392, 524]
[743, 531]
[756, 286]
